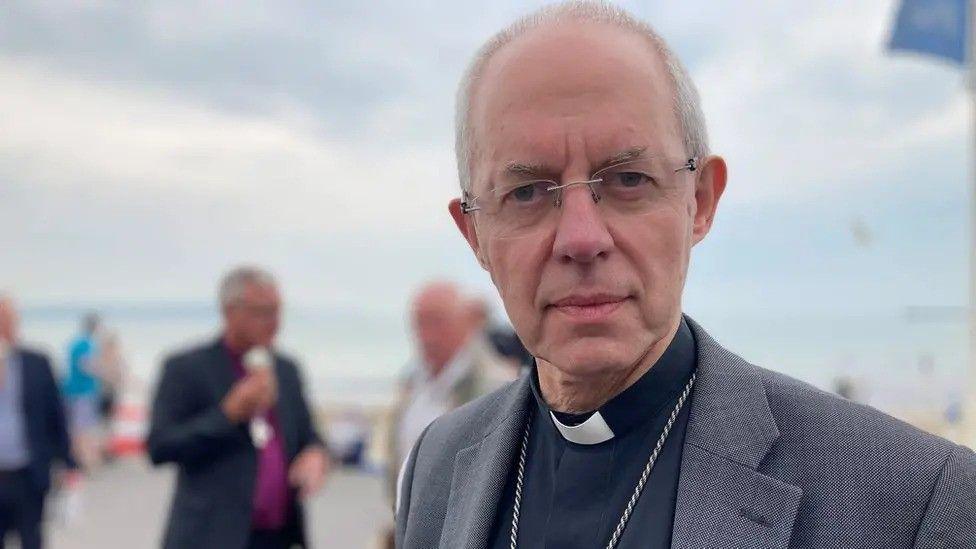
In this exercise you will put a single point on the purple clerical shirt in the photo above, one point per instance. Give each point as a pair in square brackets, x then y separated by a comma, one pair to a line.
[271, 481]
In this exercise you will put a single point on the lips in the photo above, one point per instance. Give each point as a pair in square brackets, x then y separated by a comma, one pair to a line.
[589, 307]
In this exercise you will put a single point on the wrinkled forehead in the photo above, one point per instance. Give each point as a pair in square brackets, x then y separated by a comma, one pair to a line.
[573, 88]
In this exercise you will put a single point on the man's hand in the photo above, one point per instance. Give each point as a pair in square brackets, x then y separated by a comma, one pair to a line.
[309, 470]
[252, 395]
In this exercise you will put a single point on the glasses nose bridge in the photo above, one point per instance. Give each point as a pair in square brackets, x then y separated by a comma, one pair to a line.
[581, 208]
[558, 190]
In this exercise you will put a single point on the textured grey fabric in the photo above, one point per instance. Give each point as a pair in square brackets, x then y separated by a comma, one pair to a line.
[769, 462]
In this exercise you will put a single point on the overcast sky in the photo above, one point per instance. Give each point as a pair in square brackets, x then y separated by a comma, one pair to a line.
[146, 147]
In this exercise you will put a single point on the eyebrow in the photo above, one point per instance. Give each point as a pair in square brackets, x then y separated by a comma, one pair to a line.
[634, 153]
[543, 171]
[531, 170]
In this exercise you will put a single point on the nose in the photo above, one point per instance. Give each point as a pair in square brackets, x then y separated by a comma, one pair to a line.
[581, 235]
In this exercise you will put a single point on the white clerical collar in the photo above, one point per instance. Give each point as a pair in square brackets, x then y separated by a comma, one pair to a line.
[592, 431]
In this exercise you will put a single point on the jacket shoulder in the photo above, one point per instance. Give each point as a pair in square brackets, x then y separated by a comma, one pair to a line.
[288, 362]
[36, 363]
[855, 463]
[426, 479]
[30, 354]
[465, 425]
[188, 357]
[797, 405]
[469, 422]
[859, 449]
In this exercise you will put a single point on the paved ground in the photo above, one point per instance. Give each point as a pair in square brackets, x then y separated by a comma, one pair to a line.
[124, 505]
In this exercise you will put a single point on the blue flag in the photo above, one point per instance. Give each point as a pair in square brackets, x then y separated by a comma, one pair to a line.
[933, 27]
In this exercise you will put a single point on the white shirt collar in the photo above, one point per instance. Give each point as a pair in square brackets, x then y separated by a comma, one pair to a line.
[592, 431]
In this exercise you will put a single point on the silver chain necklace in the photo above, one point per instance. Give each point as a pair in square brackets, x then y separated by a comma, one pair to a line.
[615, 538]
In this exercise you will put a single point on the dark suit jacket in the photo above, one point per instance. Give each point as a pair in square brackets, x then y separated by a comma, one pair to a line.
[768, 463]
[44, 418]
[216, 459]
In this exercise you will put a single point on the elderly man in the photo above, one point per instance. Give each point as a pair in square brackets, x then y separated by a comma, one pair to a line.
[586, 181]
[454, 364]
[233, 417]
[32, 433]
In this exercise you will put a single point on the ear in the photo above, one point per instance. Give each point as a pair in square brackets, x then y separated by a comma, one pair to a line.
[465, 224]
[708, 191]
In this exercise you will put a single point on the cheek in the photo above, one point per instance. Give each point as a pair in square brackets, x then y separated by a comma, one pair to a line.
[516, 266]
[265, 327]
[657, 245]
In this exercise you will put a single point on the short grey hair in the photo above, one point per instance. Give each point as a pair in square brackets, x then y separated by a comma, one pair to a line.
[234, 283]
[687, 104]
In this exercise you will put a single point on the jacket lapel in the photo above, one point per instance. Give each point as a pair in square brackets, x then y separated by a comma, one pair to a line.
[481, 472]
[723, 501]
[284, 409]
[31, 392]
[222, 374]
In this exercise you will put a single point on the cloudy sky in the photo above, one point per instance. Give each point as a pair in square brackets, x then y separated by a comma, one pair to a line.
[145, 147]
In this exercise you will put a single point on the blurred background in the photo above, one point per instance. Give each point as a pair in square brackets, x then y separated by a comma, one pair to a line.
[145, 148]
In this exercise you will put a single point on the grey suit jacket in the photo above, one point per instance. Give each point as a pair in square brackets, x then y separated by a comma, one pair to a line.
[769, 462]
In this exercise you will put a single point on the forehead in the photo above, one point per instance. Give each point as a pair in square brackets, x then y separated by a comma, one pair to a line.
[573, 89]
[436, 301]
[257, 291]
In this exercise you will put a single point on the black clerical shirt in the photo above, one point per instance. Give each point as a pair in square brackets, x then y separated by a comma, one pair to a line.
[574, 494]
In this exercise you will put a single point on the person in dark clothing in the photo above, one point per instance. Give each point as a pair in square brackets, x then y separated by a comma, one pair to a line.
[232, 416]
[33, 433]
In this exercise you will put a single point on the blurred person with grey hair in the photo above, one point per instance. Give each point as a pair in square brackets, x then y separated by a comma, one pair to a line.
[586, 179]
[33, 432]
[453, 364]
[233, 417]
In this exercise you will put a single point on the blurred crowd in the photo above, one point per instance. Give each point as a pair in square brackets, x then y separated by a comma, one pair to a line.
[50, 428]
[231, 415]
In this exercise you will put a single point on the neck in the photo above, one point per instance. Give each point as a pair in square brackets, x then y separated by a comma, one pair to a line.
[572, 393]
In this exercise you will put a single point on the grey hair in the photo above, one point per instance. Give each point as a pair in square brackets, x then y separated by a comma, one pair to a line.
[687, 104]
[234, 283]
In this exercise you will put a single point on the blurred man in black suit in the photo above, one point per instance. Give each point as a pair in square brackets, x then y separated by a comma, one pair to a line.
[242, 436]
[32, 433]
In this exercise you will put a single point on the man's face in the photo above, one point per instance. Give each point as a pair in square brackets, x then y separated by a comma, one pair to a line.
[589, 291]
[441, 326]
[254, 318]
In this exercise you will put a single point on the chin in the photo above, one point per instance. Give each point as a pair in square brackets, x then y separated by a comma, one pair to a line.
[591, 357]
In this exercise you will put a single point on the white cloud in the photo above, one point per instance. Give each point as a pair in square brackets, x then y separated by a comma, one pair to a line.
[146, 193]
[813, 109]
[68, 132]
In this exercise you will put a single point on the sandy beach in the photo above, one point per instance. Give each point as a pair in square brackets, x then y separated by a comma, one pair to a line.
[124, 506]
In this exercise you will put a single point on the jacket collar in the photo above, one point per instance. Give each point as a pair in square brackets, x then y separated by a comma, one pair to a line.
[637, 405]
[722, 500]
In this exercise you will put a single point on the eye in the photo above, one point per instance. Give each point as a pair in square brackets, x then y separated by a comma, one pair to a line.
[627, 180]
[529, 193]
[525, 193]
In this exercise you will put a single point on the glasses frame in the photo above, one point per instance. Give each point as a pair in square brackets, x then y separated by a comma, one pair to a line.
[470, 203]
